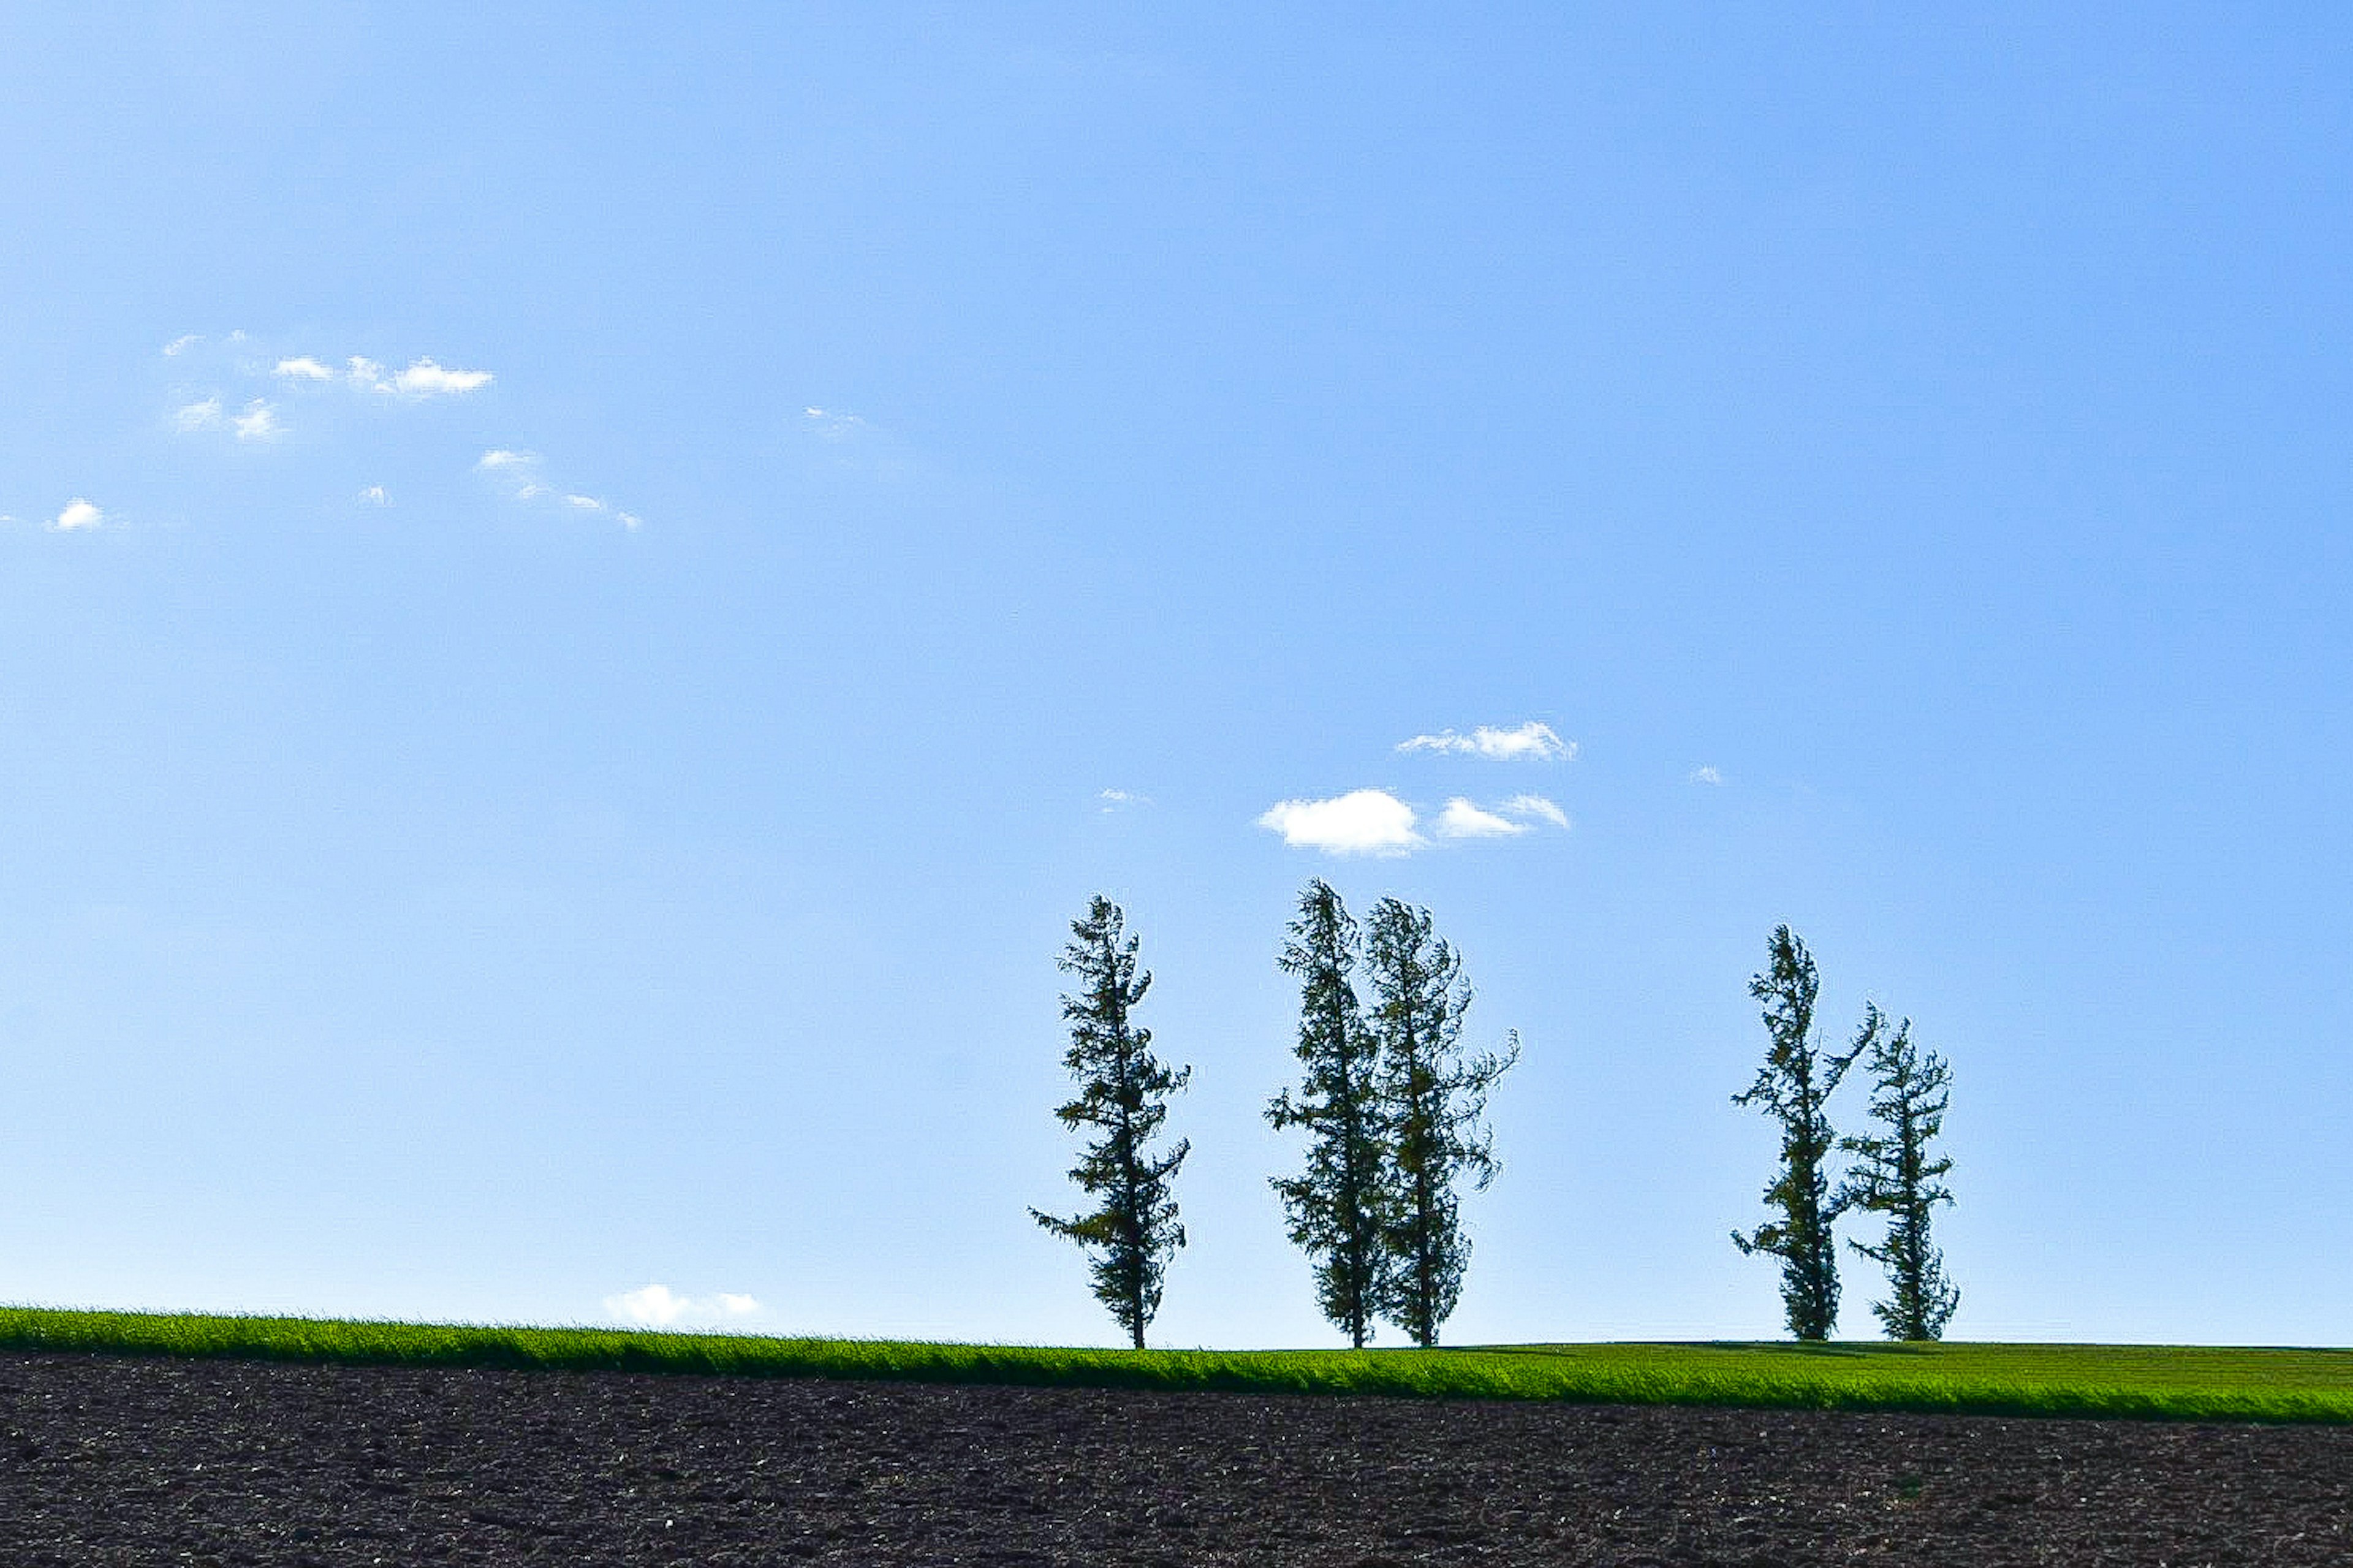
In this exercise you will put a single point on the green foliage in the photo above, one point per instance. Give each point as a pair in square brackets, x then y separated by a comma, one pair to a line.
[1792, 1087]
[1435, 1097]
[2143, 1381]
[1123, 1091]
[1340, 1205]
[1897, 1177]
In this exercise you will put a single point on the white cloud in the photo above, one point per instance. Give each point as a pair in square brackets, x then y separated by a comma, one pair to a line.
[79, 513]
[525, 471]
[657, 1306]
[1537, 806]
[650, 1304]
[181, 345]
[1361, 822]
[304, 368]
[258, 423]
[425, 379]
[1532, 742]
[1461, 819]
[202, 415]
[422, 379]
[373, 496]
[833, 427]
[1115, 799]
[1706, 775]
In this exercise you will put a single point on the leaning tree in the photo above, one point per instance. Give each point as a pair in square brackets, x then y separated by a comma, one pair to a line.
[1123, 1097]
[1796, 1078]
[1896, 1177]
[1337, 1206]
[1435, 1097]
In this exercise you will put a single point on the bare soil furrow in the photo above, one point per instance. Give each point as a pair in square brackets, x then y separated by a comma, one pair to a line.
[109, 1460]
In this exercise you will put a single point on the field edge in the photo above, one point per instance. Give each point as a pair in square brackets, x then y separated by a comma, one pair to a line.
[2096, 1382]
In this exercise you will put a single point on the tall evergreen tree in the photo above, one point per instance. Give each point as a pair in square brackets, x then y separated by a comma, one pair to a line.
[1123, 1091]
[1897, 1177]
[1798, 1077]
[1435, 1097]
[1338, 1205]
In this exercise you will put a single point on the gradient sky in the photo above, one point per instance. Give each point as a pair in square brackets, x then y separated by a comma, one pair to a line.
[585, 594]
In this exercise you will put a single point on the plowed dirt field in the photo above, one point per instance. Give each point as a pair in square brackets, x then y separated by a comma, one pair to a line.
[121, 1460]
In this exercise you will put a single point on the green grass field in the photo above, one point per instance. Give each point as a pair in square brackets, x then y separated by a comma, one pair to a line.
[2143, 1381]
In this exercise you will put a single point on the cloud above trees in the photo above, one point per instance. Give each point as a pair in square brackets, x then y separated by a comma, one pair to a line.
[1530, 742]
[1361, 822]
[659, 1307]
[1379, 822]
[1374, 822]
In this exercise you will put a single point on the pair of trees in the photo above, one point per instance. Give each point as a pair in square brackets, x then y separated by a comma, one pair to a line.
[1894, 1174]
[1393, 1108]
[1392, 1105]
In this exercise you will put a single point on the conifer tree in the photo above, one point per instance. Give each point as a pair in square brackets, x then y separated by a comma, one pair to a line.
[1123, 1091]
[1898, 1177]
[1337, 1207]
[1435, 1097]
[1796, 1078]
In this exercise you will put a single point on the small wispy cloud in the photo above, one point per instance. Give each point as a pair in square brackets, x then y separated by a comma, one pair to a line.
[426, 379]
[77, 514]
[181, 344]
[850, 445]
[1461, 819]
[658, 1306]
[205, 415]
[1706, 775]
[1536, 806]
[525, 472]
[423, 378]
[836, 427]
[1531, 742]
[373, 496]
[832, 424]
[258, 423]
[1361, 822]
[1121, 799]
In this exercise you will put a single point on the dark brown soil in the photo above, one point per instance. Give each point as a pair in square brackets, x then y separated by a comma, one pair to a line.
[107, 1460]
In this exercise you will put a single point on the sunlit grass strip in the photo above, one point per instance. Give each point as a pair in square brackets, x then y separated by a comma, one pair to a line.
[2164, 1382]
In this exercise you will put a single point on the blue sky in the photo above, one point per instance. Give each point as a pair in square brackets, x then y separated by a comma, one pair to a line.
[584, 595]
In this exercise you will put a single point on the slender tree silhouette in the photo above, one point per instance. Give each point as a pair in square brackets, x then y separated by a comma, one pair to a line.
[1123, 1091]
